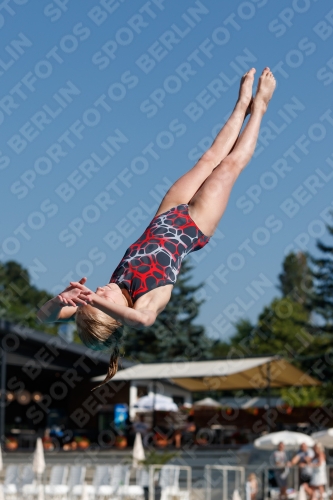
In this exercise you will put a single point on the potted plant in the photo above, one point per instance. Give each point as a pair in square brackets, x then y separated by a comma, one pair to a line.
[155, 458]
[11, 443]
[48, 444]
[70, 446]
[161, 440]
[82, 442]
[121, 441]
[201, 441]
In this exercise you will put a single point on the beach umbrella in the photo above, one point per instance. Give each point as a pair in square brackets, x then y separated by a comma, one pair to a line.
[207, 402]
[291, 440]
[324, 437]
[138, 451]
[40, 495]
[236, 495]
[156, 402]
[1, 467]
[85, 493]
[302, 493]
[38, 462]
[38, 466]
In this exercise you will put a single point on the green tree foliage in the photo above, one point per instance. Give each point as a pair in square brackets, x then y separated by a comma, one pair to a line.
[220, 349]
[311, 286]
[321, 305]
[310, 346]
[174, 335]
[19, 299]
[241, 341]
[280, 328]
[322, 299]
[296, 278]
[279, 331]
[283, 328]
[304, 396]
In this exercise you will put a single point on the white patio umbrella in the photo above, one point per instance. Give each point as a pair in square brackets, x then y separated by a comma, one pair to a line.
[324, 437]
[157, 403]
[138, 451]
[38, 466]
[236, 495]
[85, 493]
[38, 462]
[291, 440]
[208, 402]
[1, 467]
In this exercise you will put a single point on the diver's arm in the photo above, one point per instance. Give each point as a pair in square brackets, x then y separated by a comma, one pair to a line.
[135, 318]
[53, 310]
[62, 307]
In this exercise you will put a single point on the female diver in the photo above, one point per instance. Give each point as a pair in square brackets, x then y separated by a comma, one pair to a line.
[141, 285]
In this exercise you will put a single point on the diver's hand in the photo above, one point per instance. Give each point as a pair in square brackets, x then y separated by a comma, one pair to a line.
[83, 294]
[71, 295]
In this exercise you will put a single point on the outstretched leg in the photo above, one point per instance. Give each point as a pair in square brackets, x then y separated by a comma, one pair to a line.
[185, 188]
[209, 203]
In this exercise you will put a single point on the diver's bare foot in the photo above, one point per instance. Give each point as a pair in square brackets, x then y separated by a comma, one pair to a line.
[265, 89]
[245, 90]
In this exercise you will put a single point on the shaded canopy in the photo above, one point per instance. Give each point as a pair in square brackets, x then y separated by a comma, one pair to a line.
[230, 374]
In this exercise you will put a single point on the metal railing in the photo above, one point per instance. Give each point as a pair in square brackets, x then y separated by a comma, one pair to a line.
[215, 482]
[239, 481]
[177, 492]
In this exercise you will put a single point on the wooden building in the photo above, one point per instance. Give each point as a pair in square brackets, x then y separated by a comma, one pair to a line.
[46, 383]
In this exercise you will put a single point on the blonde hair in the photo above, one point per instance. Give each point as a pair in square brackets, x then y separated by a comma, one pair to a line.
[319, 446]
[100, 332]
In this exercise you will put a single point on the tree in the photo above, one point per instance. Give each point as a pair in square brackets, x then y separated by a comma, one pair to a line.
[279, 331]
[303, 396]
[282, 327]
[321, 306]
[174, 335]
[220, 349]
[322, 298]
[311, 287]
[296, 278]
[287, 326]
[19, 299]
[282, 330]
[242, 338]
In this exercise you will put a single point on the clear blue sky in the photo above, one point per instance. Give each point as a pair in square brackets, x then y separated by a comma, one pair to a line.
[105, 103]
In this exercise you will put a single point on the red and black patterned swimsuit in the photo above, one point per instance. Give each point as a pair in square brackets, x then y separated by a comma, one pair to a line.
[155, 259]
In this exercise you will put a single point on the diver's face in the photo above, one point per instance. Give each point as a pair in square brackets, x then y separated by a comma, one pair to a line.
[111, 292]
